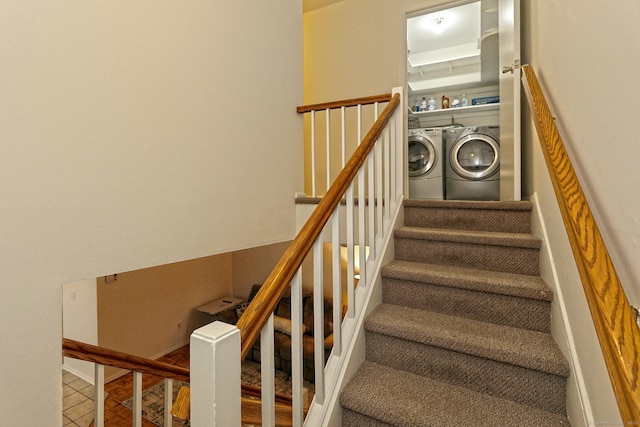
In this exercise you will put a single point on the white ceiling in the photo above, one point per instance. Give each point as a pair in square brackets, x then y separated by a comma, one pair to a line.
[461, 26]
[448, 47]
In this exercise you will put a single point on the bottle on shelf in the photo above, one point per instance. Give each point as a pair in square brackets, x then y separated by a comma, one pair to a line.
[423, 104]
[464, 102]
[455, 101]
[445, 102]
[432, 104]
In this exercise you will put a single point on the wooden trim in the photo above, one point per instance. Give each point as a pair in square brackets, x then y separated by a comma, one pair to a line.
[385, 97]
[255, 316]
[613, 318]
[108, 357]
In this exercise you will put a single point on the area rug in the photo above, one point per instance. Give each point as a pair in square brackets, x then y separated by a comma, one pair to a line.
[153, 403]
[153, 397]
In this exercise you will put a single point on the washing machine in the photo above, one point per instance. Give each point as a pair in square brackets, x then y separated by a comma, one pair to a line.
[426, 163]
[472, 170]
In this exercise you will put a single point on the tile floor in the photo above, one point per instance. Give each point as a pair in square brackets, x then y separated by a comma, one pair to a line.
[77, 401]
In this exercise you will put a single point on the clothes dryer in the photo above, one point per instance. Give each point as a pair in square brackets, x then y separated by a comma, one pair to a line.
[426, 163]
[472, 170]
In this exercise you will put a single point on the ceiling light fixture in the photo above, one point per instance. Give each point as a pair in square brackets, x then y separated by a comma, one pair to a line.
[438, 22]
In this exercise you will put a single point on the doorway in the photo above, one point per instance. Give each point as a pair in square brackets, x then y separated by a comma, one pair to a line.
[455, 58]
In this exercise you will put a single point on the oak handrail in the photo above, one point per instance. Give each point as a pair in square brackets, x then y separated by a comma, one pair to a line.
[612, 315]
[385, 97]
[264, 303]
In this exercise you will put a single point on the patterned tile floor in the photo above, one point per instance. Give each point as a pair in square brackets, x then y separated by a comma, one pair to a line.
[77, 401]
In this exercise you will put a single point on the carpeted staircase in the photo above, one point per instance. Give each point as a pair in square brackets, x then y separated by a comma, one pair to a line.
[462, 336]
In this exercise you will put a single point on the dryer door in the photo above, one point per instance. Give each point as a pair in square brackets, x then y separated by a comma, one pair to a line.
[475, 156]
[422, 155]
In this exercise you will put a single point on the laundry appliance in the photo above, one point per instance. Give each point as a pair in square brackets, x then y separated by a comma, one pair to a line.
[426, 163]
[472, 170]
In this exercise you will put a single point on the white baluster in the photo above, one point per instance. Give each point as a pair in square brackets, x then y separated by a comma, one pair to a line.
[337, 281]
[379, 189]
[350, 260]
[361, 206]
[387, 172]
[267, 374]
[328, 148]
[372, 204]
[313, 154]
[98, 395]
[137, 399]
[297, 394]
[318, 322]
[168, 401]
[344, 137]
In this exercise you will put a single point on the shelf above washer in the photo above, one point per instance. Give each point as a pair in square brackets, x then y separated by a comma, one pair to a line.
[457, 110]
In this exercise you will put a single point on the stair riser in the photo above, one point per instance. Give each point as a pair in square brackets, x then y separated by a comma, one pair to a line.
[468, 219]
[354, 419]
[507, 259]
[525, 386]
[505, 310]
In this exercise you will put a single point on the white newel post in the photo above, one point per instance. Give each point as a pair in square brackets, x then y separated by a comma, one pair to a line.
[215, 376]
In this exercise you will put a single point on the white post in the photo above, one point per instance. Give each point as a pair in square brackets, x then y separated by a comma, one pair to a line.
[400, 145]
[215, 376]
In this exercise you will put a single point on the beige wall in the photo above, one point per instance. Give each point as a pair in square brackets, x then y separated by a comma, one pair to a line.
[128, 133]
[253, 266]
[152, 311]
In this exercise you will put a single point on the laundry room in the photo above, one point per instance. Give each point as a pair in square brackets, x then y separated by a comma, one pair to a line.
[456, 93]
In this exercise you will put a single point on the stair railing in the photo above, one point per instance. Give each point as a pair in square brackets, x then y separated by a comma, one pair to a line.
[101, 357]
[379, 159]
[105, 357]
[614, 320]
[322, 124]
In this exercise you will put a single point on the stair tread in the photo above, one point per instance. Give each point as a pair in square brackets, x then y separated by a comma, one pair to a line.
[471, 204]
[520, 347]
[400, 398]
[518, 285]
[469, 236]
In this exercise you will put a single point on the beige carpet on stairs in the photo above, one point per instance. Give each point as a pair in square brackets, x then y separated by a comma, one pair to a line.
[462, 336]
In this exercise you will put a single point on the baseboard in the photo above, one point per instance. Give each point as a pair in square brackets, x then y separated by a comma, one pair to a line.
[578, 405]
[88, 378]
[124, 372]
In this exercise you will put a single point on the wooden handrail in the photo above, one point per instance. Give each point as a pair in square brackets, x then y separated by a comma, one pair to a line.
[613, 318]
[108, 357]
[257, 313]
[385, 97]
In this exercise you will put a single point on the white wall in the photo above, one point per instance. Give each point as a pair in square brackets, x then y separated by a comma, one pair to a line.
[128, 133]
[80, 322]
